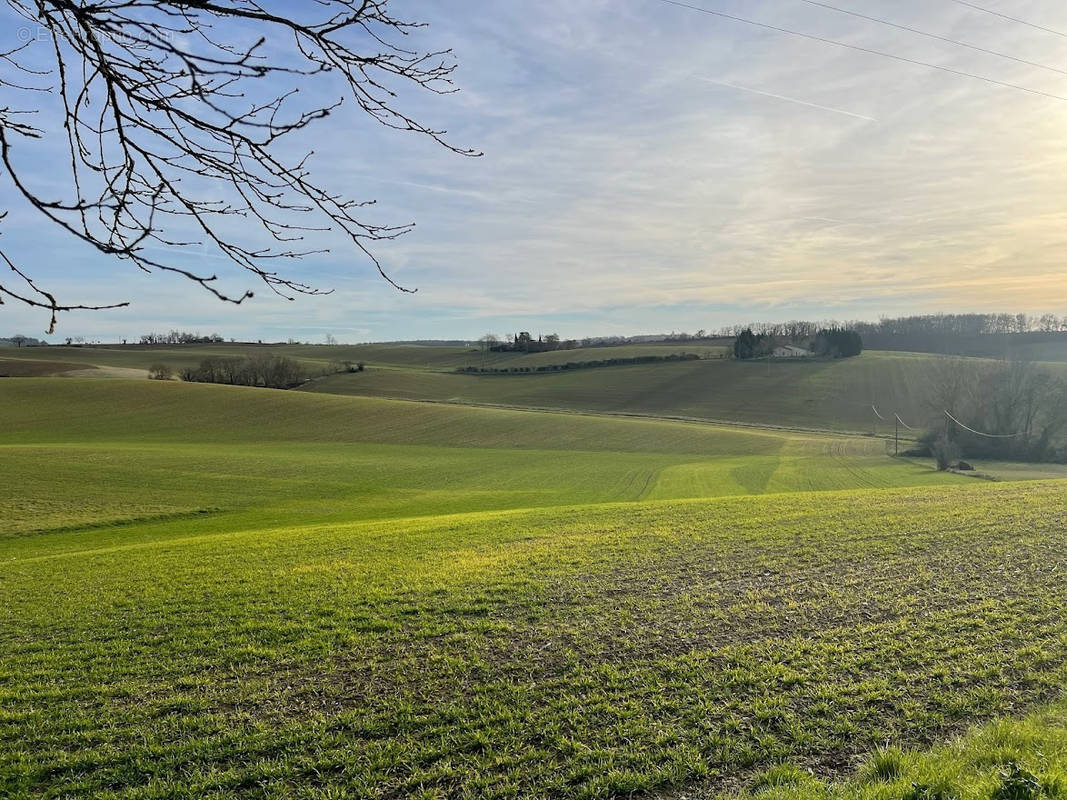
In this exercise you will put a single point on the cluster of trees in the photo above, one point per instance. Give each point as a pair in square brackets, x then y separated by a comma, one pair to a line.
[524, 342]
[793, 331]
[929, 325]
[180, 337]
[964, 334]
[964, 324]
[831, 342]
[837, 343]
[700, 336]
[606, 362]
[749, 344]
[270, 371]
[21, 340]
[1015, 410]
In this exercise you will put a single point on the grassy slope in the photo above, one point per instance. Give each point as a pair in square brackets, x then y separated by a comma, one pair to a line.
[830, 395]
[1040, 351]
[29, 367]
[274, 594]
[835, 395]
[78, 454]
[1020, 348]
[377, 355]
[572, 652]
[45, 410]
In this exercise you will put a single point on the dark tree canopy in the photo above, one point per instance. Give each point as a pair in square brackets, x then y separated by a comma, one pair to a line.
[172, 134]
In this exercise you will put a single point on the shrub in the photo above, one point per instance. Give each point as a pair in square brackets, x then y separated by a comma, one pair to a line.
[160, 372]
[272, 372]
[945, 451]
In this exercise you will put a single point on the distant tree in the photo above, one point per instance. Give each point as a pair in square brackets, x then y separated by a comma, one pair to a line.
[751, 345]
[19, 340]
[1018, 408]
[837, 343]
[160, 372]
[180, 337]
[331, 339]
[745, 344]
[270, 371]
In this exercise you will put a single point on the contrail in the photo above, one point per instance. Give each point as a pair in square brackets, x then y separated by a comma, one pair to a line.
[789, 99]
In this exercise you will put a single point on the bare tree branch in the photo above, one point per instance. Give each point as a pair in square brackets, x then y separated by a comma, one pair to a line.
[161, 117]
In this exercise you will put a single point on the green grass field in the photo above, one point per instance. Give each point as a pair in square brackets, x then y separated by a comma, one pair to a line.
[19, 367]
[318, 357]
[835, 395]
[820, 395]
[221, 592]
[162, 449]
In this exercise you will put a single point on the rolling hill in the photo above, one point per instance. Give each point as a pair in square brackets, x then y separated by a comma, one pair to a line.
[833, 395]
[215, 591]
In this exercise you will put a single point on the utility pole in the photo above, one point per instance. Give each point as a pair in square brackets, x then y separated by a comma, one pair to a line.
[896, 437]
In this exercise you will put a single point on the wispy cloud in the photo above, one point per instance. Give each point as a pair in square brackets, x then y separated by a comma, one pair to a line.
[618, 191]
[798, 101]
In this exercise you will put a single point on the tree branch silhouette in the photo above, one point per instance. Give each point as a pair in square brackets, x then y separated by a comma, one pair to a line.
[160, 115]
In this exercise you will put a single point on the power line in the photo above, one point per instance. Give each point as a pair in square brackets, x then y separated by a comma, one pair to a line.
[1009, 18]
[870, 51]
[935, 36]
[902, 422]
[875, 410]
[979, 433]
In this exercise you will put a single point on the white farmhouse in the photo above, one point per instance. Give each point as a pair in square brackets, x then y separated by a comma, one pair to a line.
[790, 351]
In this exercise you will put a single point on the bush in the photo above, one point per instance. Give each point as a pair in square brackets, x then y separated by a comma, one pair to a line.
[160, 372]
[272, 372]
[837, 343]
[945, 452]
[342, 367]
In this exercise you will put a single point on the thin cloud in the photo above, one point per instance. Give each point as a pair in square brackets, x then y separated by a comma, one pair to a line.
[618, 195]
[795, 100]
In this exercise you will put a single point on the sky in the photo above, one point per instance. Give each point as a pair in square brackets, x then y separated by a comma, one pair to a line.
[647, 168]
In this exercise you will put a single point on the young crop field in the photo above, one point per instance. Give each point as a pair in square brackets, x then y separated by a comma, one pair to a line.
[320, 357]
[581, 652]
[221, 592]
[18, 367]
[817, 394]
[79, 453]
[834, 395]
